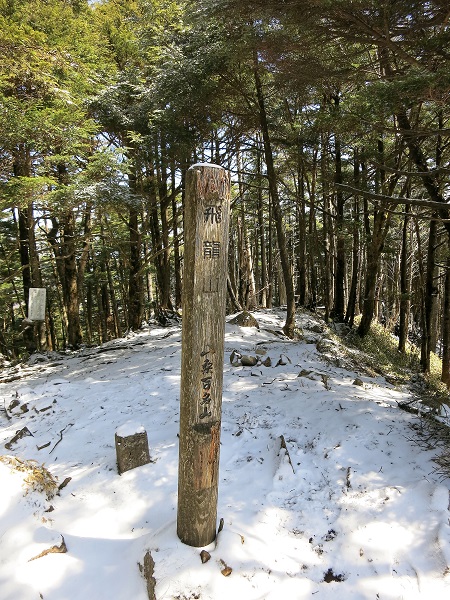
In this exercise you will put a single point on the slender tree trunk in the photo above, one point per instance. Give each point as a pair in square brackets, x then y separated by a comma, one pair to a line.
[89, 304]
[376, 239]
[24, 252]
[159, 252]
[22, 168]
[135, 308]
[405, 301]
[445, 375]
[262, 248]
[166, 300]
[237, 306]
[102, 303]
[327, 233]
[429, 298]
[264, 280]
[247, 287]
[302, 286]
[313, 254]
[339, 276]
[247, 293]
[353, 294]
[270, 260]
[112, 295]
[289, 326]
[231, 279]
[70, 287]
[66, 264]
[176, 244]
[380, 228]
[164, 202]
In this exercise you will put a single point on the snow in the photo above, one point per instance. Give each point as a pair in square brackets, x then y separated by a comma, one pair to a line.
[206, 164]
[129, 428]
[322, 491]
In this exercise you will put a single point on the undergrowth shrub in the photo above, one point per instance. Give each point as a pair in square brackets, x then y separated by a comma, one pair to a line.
[36, 477]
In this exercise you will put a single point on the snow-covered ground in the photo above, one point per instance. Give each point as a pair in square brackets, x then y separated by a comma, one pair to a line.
[350, 509]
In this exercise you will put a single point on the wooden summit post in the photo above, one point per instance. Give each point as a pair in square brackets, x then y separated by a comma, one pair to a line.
[206, 224]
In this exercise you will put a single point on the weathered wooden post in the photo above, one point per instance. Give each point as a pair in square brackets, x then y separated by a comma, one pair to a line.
[206, 224]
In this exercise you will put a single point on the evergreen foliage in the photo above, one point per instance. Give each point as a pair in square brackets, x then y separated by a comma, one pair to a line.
[332, 116]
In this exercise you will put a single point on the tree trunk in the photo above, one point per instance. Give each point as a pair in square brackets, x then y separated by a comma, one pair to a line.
[339, 276]
[405, 301]
[24, 252]
[429, 298]
[445, 375]
[22, 168]
[264, 283]
[247, 291]
[135, 307]
[289, 326]
[327, 233]
[356, 262]
[301, 251]
[176, 244]
[70, 286]
[313, 254]
[380, 229]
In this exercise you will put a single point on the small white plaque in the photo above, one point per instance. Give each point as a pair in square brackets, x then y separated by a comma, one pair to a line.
[36, 304]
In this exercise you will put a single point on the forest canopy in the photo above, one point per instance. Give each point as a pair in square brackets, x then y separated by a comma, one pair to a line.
[332, 117]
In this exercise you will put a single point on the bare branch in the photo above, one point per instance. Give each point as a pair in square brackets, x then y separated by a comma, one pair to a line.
[393, 199]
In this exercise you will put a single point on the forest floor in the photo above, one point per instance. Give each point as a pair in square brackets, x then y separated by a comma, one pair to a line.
[323, 491]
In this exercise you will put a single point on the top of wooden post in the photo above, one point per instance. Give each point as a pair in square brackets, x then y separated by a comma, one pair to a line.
[204, 164]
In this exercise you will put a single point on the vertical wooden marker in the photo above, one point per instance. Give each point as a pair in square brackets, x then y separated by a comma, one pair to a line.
[206, 224]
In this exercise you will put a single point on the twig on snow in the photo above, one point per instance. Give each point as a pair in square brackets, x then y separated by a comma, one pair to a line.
[61, 436]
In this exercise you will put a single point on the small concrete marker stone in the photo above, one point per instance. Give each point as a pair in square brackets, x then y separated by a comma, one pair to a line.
[131, 448]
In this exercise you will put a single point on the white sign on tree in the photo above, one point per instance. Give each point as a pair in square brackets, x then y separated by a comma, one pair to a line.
[36, 304]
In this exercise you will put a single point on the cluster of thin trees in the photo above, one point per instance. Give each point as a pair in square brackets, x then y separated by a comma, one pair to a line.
[333, 118]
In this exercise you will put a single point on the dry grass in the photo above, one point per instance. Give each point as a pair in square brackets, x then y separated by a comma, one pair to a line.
[434, 435]
[36, 477]
[379, 350]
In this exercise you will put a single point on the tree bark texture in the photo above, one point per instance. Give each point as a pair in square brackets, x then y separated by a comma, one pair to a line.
[204, 303]
[289, 326]
[380, 229]
[445, 375]
[404, 286]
